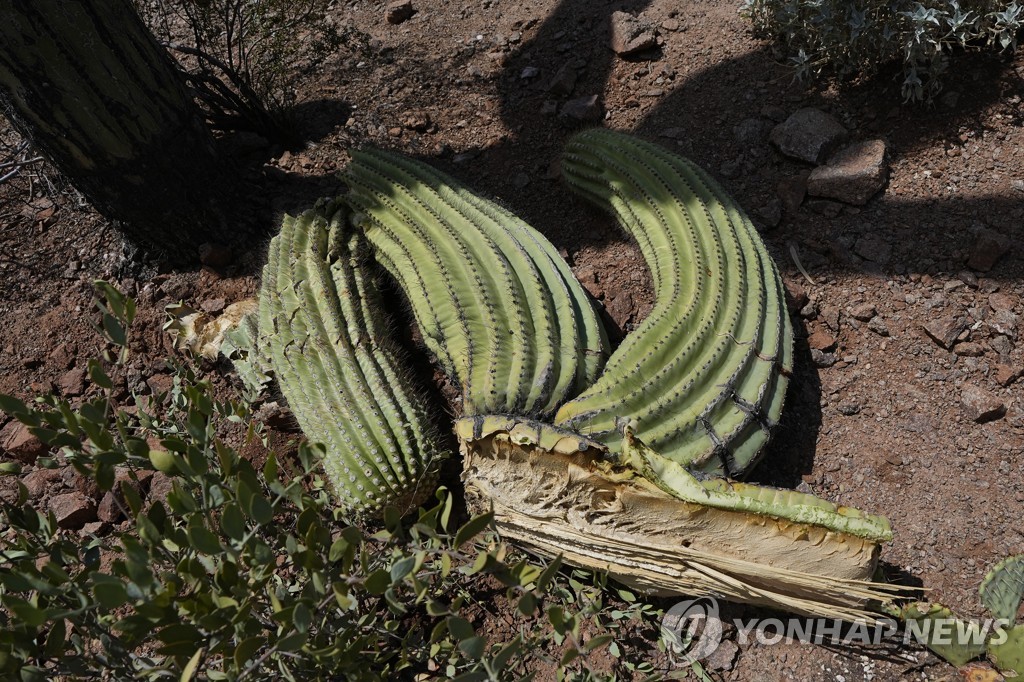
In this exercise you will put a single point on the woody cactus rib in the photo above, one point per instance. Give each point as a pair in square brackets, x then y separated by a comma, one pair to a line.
[494, 302]
[320, 326]
[703, 378]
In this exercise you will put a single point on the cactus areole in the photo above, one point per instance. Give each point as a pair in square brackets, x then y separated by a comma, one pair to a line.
[617, 463]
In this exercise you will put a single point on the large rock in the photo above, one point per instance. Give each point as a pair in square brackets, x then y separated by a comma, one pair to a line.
[630, 35]
[945, 330]
[16, 441]
[981, 405]
[852, 175]
[809, 135]
[73, 510]
[399, 11]
[989, 247]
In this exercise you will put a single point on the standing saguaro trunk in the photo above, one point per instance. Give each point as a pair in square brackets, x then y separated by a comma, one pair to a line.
[89, 85]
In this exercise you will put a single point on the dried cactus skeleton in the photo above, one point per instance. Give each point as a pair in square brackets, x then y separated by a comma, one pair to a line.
[618, 471]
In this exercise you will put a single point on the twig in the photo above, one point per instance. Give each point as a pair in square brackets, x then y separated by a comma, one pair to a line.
[16, 164]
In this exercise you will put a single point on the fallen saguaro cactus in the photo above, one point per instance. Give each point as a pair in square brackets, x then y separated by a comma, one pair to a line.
[629, 477]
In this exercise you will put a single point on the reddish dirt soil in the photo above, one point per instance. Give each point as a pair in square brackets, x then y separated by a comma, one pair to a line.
[883, 428]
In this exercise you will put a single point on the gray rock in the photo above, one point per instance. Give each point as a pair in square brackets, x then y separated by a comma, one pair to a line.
[630, 35]
[724, 657]
[878, 326]
[582, 109]
[808, 135]
[980, 405]
[771, 212]
[529, 72]
[853, 175]
[821, 359]
[848, 408]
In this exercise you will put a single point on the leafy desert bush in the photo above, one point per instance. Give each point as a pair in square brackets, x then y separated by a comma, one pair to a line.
[240, 56]
[245, 574]
[858, 37]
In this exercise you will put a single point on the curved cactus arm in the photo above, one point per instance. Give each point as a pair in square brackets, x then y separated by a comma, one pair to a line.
[719, 493]
[1007, 650]
[320, 331]
[492, 299]
[704, 376]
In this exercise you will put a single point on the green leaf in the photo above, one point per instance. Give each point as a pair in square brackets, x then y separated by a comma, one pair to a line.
[460, 628]
[9, 468]
[549, 572]
[109, 591]
[1002, 589]
[24, 611]
[570, 655]
[98, 376]
[402, 568]
[292, 642]
[472, 527]
[527, 604]
[232, 522]
[473, 647]
[377, 582]
[246, 649]
[598, 642]
[302, 617]
[189, 671]
[114, 331]
[204, 540]
[506, 653]
[55, 639]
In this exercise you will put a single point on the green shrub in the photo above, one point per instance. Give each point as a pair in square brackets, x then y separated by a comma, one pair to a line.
[858, 37]
[241, 56]
[242, 574]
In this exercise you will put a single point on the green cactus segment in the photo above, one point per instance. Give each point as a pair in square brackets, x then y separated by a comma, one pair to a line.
[703, 378]
[719, 493]
[321, 330]
[1002, 589]
[493, 300]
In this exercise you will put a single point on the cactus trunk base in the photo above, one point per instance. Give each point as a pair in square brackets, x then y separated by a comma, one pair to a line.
[570, 504]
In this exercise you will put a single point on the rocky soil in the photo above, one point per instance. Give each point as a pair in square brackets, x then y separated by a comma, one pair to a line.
[898, 229]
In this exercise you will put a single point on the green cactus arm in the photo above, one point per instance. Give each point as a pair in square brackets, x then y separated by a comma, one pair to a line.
[719, 493]
[703, 377]
[519, 333]
[319, 327]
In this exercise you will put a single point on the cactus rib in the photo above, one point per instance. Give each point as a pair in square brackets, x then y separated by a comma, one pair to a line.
[494, 302]
[320, 329]
[702, 379]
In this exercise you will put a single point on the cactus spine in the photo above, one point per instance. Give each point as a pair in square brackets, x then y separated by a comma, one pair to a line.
[320, 325]
[703, 378]
[494, 302]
